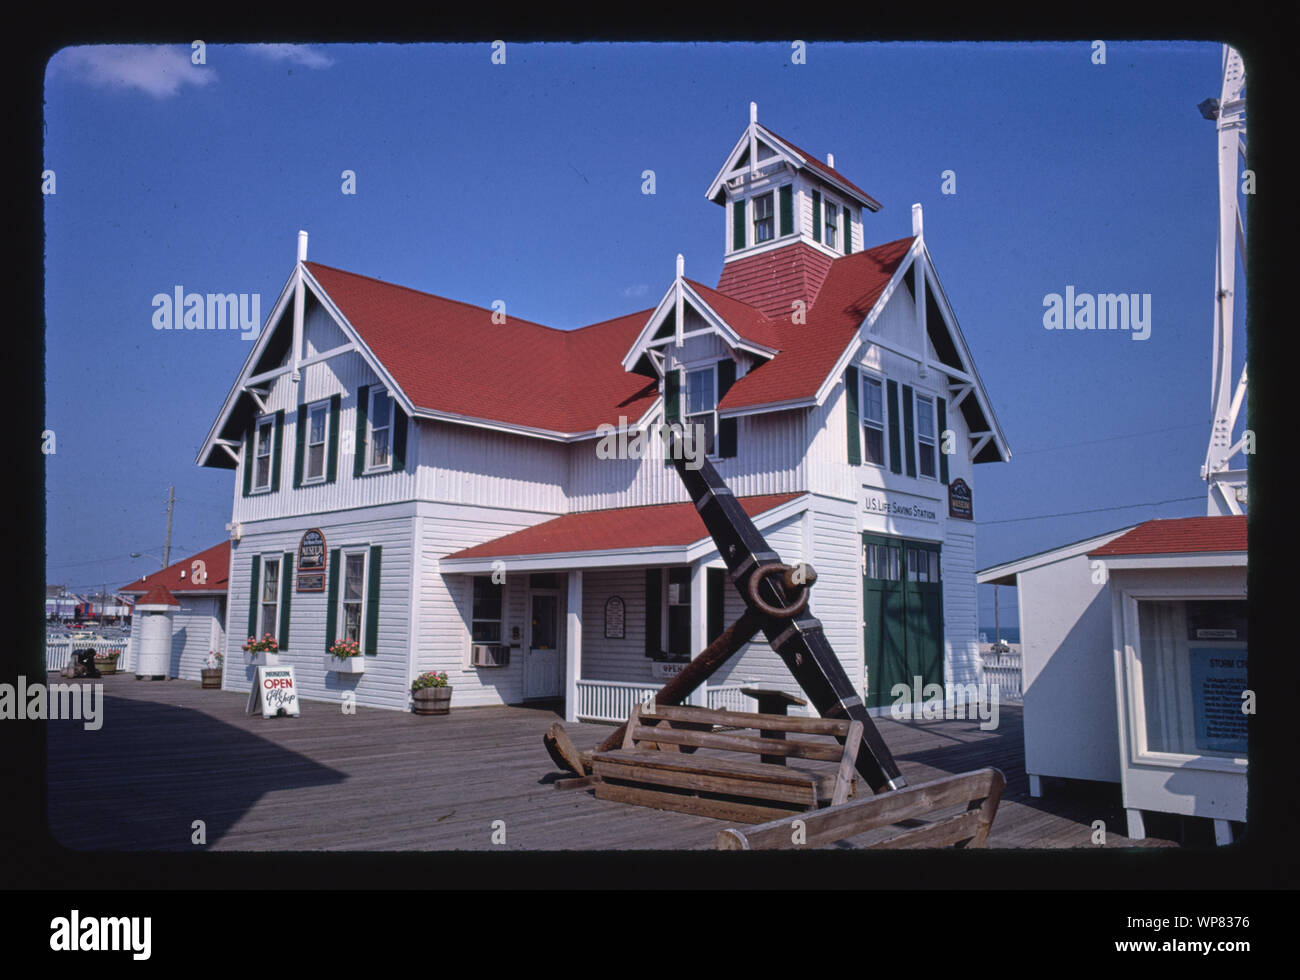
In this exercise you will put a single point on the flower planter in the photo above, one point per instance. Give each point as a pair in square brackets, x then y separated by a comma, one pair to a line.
[106, 666]
[345, 665]
[432, 701]
[211, 678]
[264, 659]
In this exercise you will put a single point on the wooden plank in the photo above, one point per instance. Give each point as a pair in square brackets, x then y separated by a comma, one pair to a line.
[848, 764]
[792, 748]
[804, 795]
[707, 765]
[750, 719]
[859, 816]
[717, 809]
[941, 833]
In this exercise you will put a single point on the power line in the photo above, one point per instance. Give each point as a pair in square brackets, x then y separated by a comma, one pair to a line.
[1131, 435]
[1095, 510]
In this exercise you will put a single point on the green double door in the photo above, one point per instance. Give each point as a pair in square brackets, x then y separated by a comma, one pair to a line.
[903, 612]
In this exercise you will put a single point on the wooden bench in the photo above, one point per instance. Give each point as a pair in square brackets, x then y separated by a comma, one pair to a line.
[979, 791]
[657, 765]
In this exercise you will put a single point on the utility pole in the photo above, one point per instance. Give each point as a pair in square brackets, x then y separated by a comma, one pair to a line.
[997, 623]
[167, 548]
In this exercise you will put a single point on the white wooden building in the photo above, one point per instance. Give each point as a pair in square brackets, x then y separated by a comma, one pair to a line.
[1135, 653]
[433, 479]
[199, 584]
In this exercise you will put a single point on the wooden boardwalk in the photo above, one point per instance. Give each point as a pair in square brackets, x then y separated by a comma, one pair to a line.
[170, 753]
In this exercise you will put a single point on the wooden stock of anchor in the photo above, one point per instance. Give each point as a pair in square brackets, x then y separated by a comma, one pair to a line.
[776, 602]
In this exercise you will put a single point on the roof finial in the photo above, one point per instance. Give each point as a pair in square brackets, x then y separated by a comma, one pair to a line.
[681, 265]
[302, 246]
[916, 220]
[830, 160]
[753, 112]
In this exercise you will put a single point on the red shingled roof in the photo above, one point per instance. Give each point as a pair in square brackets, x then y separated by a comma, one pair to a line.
[1179, 536]
[743, 318]
[826, 170]
[809, 351]
[157, 596]
[216, 561]
[772, 281]
[450, 357]
[616, 529]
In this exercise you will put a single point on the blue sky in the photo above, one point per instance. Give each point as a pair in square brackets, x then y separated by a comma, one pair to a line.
[522, 182]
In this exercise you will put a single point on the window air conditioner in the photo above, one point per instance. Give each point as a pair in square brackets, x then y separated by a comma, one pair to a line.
[490, 655]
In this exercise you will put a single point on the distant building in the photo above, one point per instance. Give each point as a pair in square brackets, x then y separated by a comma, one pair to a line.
[199, 584]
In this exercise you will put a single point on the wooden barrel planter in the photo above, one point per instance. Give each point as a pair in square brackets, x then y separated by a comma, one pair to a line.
[211, 678]
[432, 701]
[106, 666]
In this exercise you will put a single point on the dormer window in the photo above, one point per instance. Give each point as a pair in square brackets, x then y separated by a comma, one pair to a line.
[764, 218]
[702, 403]
[925, 434]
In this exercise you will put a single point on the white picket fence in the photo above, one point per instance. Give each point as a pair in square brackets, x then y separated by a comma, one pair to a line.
[59, 651]
[613, 701]
[1005, 670]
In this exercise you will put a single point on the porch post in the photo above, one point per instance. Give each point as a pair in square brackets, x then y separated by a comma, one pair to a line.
[699, 626]
[573, 646]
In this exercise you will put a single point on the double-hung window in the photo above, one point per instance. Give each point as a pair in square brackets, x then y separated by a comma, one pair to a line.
[832, 223]
[764, 218]
[485, 624]
[381, 428]
[262, 450]
[873, 421]
[702, 404]
[317, 431]
[925, 441]
[352, 600]
[270, 598]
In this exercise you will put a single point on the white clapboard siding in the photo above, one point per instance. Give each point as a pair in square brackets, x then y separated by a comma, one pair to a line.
[386, 680]
[837, 595]
[610, 659]
[468, 465]
[192, 634]
[960, 611]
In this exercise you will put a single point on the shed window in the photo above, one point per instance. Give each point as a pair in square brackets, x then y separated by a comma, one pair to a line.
[317, 427]
[702, 403]
[925, 435]
[873, 421]
[354, 595]
[262, 453]
[832, 222]
[764, 229]
[381, 427]
[270, 597]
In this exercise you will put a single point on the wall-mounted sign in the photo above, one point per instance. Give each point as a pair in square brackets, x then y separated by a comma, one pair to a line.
[667, 669]
[615, 615]
[1218, 680]
[959, 502]
[311, 562]
[900, 505]
[274, 692]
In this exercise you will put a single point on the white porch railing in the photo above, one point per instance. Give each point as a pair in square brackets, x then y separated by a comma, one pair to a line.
[1005, 671]
[59, 652]
[613, 701]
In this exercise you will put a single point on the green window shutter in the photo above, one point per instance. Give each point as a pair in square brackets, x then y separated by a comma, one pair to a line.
[854, 414]
[726, 427]
[372, 603]
[653, 598]
[248, 460]
[786, 195]
[399, 438]
[817, 215]
[278, 447]
[286, 592]
[715, 590]
[332, 600]
[359, 444]
[254, 573]
[848, 233]
[895, 444]
[673, 396]
[737, 225]
[299, 440]
[943, 457]
[332, 463]
[909, 432]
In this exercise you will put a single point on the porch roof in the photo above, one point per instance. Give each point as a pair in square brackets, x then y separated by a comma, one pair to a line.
[653, 534]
